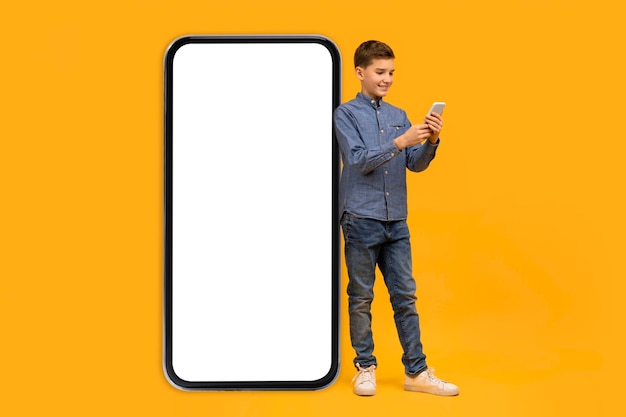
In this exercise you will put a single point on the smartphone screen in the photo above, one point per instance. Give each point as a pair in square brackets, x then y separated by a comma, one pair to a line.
[251, 254]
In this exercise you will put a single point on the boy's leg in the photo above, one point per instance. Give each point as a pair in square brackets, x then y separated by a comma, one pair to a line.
[362, 239]
[396, 266]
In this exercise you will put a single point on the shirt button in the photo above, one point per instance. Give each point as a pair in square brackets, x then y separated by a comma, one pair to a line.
[382, 130]
[387, 193]
[393, 154]
[386, 172]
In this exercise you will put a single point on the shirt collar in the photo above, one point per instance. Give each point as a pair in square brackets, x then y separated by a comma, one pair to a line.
[369, 100]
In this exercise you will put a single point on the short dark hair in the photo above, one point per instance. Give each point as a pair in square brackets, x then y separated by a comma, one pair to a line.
[370, 50]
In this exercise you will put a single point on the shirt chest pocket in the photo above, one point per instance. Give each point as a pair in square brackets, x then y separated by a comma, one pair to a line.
[397, 128]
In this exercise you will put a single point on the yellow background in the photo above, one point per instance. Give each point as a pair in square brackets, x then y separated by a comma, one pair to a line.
[517, 226]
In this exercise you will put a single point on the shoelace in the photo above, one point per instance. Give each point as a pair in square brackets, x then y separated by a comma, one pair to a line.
[430, 375]
[364, 373]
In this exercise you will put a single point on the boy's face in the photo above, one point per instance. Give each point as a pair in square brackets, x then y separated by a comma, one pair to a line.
[376, 78]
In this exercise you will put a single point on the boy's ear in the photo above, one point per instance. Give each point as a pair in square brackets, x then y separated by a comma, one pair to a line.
[359, 73]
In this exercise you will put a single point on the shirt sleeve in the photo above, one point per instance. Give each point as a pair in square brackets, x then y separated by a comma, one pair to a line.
[418, 157]
[363, 159]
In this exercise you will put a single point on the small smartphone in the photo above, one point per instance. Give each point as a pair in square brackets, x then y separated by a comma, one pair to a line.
[437, 107]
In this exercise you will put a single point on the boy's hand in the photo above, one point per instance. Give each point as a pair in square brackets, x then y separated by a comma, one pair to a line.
[414, 136]
[434, 123]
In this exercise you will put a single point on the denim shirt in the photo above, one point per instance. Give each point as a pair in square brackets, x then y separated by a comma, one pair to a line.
[373, 179]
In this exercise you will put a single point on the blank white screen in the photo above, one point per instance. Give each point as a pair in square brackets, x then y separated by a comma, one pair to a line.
[252, 201]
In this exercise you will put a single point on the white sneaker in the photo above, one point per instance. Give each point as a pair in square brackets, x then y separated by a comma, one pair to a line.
[427, 382]
[365, 380]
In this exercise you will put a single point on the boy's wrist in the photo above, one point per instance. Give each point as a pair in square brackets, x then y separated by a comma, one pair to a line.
[398, 142]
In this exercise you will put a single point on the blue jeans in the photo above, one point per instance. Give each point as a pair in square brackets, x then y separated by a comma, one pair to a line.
[368, 243]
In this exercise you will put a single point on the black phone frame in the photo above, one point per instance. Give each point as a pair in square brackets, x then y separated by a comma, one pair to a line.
[169, 371]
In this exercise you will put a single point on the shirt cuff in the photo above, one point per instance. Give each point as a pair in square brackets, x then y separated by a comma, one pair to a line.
[391, 151]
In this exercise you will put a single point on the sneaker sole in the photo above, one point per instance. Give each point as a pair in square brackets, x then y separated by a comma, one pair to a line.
[417, 389]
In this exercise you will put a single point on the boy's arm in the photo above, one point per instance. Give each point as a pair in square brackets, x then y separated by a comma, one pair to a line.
[364, 160]
[418, 157]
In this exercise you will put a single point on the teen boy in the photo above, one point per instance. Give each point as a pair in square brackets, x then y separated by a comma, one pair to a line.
[378, 144]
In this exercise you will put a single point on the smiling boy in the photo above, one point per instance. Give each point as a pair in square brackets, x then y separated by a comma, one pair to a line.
[378, 144]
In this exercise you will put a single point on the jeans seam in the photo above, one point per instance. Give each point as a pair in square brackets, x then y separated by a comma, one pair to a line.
[394, 278]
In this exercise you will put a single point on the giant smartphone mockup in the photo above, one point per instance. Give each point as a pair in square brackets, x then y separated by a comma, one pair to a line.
[251, 252]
